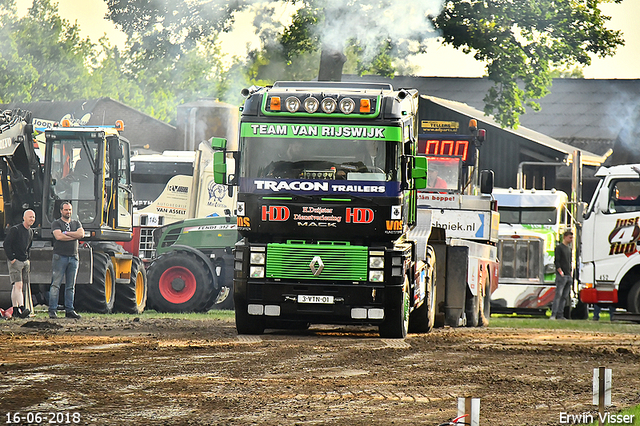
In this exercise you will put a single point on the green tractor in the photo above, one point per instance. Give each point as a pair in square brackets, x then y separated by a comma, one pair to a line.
[193, 268]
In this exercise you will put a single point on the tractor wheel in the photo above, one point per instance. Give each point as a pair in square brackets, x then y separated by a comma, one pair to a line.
[131, 298]
[423, 318]
[633, 299]
[396, 322]
[98, 297]
[180, 282]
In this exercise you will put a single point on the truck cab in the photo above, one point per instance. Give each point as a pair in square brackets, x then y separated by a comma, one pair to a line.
[327, 177]
[531, 225]
[610, 271]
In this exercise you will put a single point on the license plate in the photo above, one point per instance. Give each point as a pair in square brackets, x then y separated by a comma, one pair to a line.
[326, 300]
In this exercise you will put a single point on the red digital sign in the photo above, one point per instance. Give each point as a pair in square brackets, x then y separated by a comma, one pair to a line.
[447, 147]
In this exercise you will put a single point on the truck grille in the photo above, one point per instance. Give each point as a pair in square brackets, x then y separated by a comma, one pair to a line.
[341, 262]
[520, 258]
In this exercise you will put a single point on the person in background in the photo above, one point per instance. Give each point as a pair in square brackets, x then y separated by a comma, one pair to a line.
[598, 308]
[435, 181]
[563, 275]
[17, 246]
[66, 233]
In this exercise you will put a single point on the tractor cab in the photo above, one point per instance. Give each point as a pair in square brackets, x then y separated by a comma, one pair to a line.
[90, 168]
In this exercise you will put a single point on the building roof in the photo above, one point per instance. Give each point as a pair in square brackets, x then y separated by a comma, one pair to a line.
[588, 158]
[585, 113]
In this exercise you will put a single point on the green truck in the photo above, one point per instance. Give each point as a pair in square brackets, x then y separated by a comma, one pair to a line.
[330, 230]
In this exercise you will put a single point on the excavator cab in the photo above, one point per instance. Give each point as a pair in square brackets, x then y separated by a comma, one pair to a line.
[90, 168]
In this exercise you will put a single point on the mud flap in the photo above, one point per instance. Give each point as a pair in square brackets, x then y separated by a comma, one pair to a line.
[456, 284]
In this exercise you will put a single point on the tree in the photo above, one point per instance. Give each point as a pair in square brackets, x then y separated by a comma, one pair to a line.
[521, 41]
[172, 50]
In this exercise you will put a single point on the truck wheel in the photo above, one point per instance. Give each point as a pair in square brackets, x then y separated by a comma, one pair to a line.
[633, 299]
[248, 324]
[580, 312]
[98, 297]
[472, 308]
[132, 298]
[180, 282]
[423, 318]
[396, 322]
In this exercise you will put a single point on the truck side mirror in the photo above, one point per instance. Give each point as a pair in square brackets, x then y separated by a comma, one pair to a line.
[419, 172]
[219, 167]
[218, 144]
[486, 181]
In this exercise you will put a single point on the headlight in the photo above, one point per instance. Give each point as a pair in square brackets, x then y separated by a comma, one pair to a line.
[347, 105]
[376, 276]
[292, 104]
[329, 105]
[376, 262]
[256, 272]
[257, 258]
[311, 104]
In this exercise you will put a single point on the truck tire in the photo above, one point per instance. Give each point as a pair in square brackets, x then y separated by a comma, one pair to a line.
[396, 322]
[633, 299]
[180, 282]
[131, 298]
[580, 312]
[423, 318]
[248, 324]
[98, 297]
[472, 308]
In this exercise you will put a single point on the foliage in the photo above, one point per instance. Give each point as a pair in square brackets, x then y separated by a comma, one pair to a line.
[173, 54]
[43, 57]
[521, 41]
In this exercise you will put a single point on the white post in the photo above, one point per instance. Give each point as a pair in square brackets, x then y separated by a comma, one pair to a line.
[471, 407]
[601, 390]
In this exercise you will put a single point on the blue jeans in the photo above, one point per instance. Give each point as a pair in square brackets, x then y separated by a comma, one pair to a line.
[63, 267]
[563, 288]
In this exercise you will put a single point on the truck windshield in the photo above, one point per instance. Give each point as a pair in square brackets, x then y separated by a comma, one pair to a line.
[309, 158]
[528, 216]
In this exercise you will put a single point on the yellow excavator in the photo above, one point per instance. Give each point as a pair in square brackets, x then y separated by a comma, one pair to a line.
[90, 168]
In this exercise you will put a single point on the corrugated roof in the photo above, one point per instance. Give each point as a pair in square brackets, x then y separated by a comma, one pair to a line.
[588, 158]
[584, 109]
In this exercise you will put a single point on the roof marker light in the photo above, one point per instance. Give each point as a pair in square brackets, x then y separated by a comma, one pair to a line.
[274, 104]
[365, 105]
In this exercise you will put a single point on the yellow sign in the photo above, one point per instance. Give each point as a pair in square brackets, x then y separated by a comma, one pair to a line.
[439, 126]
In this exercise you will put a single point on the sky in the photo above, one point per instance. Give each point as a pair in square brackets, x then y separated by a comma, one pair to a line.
[440, 61]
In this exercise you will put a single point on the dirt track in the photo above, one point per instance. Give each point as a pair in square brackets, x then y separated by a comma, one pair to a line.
[179, 372]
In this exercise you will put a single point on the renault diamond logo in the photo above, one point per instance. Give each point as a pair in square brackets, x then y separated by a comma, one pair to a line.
[316, 270]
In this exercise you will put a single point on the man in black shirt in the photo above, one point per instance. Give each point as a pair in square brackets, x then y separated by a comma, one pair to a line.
[563, 275]
[17, 246]
[66, 233]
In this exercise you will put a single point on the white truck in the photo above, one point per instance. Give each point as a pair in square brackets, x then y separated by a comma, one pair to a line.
[610, 273]
[531, 225]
